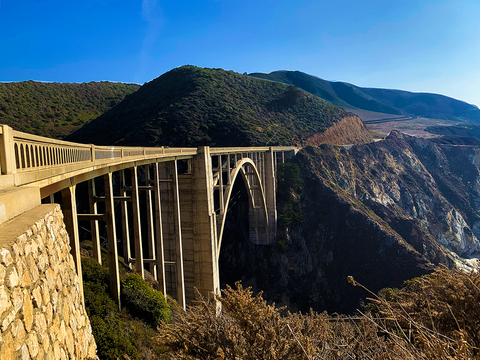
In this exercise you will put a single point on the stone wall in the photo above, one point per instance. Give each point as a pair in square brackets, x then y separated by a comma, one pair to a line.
[42, 314]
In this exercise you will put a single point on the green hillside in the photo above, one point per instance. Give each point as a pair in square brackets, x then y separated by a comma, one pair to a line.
[57, 109]
[379, 100]
[195, 106]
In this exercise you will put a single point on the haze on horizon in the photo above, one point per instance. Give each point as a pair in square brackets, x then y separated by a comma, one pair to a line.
[414, 45]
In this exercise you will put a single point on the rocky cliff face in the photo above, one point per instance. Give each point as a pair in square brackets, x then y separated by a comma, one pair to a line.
[382, 212]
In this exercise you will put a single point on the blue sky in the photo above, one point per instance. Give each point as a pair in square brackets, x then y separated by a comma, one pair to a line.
[422, 45]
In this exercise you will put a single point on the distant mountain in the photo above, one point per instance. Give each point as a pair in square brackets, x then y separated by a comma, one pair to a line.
[191, 106]
[57, 109]
[379, 100]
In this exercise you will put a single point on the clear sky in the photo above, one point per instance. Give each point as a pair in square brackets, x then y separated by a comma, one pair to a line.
[415, 45]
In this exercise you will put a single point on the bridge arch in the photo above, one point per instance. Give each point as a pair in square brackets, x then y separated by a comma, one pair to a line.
[258, 219]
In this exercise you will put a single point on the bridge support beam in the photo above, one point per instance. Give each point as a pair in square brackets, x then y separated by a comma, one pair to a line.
[160, 249]
[125, 227]
[137, 230]
[92, 194]
[270, 192]
[112, 240]
[178, 239]
[150, 223]
[69, 208]
[207, 277]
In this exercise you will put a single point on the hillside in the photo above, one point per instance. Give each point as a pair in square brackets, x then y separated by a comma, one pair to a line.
[191, 106]
[461, 130]
[57, 109]
[386, 101]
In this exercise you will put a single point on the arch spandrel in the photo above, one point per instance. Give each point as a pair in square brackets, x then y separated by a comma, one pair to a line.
[255, 194]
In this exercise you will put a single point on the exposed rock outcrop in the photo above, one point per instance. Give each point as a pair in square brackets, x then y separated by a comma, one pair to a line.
[349, 130]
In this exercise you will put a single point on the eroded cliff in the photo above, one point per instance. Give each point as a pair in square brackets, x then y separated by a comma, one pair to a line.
[382, 212]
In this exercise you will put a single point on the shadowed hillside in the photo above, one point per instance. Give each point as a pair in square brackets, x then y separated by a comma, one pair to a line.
[379, 100]
[57, 109]
[191, 106]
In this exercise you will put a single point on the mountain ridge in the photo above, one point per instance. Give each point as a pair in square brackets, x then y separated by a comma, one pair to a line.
[389, 101]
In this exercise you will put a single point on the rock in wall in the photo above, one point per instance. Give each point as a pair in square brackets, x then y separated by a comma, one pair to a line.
[42, 315]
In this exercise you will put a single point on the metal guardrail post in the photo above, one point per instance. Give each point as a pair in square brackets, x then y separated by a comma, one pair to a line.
[7, 151]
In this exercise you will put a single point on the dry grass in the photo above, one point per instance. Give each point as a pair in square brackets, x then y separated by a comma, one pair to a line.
[434, 317]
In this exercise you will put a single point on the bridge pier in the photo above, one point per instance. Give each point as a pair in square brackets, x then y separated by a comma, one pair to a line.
[270, 192]
[206, 273]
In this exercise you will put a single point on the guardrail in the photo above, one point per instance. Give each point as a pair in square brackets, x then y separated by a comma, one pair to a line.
[21, 152]
[26, 158]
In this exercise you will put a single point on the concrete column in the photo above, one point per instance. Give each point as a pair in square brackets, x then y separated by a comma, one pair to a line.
[112, 240]
[160, 273]
[270, 193]
[125, 227]
[69, 208]
[220, 185]
[7, 151]
[137, 230]
[207, 278]
[97, 253]
[229, 170]
[150, 224]
[178, 240]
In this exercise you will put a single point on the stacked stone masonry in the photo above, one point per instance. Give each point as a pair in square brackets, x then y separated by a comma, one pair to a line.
[42, 315]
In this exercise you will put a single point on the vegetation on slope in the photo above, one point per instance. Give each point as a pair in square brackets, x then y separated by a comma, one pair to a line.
[57, 109]
[434, 317]
[191, 106]
[128, 332]
[467, 134]
[387, 101]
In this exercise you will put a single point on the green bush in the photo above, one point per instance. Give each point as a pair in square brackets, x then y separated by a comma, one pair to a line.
[288, 178]
[110, 339]
[288, 216]
[107, 327]
[143, 302]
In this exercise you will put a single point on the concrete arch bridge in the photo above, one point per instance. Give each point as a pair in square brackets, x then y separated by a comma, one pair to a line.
[182, 194]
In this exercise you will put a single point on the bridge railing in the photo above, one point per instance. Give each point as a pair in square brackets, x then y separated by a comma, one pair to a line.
[27, 158]
[23, 154]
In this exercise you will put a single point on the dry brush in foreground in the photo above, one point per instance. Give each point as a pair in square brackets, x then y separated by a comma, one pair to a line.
[434, 317]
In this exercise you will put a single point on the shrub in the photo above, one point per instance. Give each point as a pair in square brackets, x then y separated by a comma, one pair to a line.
[143, 302]
[242, 326]
[446, 301]
[110, 340]
[107, 327]
[288, 178]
